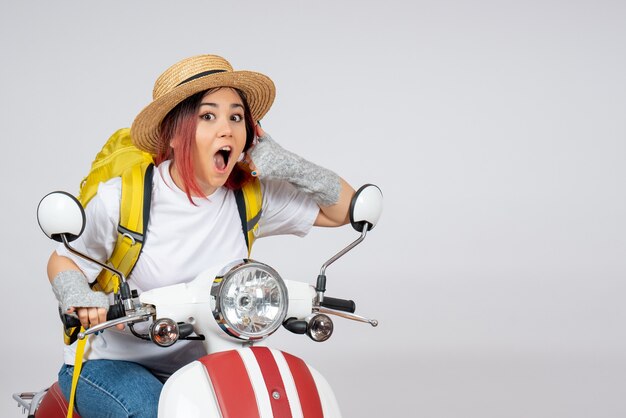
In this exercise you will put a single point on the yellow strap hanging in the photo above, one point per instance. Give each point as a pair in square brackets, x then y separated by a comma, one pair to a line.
[78, 364]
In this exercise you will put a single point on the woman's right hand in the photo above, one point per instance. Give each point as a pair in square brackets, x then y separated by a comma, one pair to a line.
[90, 317]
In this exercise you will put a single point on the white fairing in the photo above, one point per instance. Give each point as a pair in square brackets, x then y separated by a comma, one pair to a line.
[301, 297]
[327, 396]
[60, 213]
[188, 393]
[191, 303]
[368, 205]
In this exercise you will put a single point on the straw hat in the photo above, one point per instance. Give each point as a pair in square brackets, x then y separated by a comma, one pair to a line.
[188, 77]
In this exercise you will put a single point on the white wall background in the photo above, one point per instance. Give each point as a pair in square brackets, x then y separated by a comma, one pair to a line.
[495, 129]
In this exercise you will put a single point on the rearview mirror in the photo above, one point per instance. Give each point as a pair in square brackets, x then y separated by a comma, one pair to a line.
[61, 213]
[366, 207]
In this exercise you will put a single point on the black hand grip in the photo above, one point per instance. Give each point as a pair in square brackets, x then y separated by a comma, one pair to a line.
[115, 311]
[339, 304]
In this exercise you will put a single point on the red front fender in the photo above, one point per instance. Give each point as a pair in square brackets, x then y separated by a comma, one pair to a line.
[252, 382]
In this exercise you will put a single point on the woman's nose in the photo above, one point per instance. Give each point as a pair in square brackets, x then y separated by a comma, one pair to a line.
[224, 128]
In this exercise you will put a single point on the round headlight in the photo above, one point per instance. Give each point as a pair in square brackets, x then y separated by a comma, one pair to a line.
[250, 300]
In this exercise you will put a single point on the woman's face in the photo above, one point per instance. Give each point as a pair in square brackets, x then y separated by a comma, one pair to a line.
[220, 138]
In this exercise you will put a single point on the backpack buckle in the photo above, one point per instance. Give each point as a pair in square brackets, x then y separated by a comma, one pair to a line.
[132, 239]
[135, 237]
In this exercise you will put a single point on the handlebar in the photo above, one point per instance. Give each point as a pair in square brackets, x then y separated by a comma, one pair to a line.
[70, 321]
[344, 305]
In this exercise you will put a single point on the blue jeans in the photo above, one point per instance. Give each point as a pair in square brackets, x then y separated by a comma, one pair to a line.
[113, 388]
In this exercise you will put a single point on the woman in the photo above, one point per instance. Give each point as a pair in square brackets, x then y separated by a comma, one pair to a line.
[201, 129]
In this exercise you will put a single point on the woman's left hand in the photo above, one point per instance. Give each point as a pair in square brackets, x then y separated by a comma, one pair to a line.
[327, 189]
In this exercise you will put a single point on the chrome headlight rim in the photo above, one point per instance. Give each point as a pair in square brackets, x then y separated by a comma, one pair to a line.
[219, 284]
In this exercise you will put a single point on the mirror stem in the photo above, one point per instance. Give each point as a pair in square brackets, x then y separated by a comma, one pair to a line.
[124, 290]
[86, 257]
[321, 278]
[345, 250]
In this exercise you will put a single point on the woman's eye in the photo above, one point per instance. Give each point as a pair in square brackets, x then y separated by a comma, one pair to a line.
[208, 116]
[236, 118]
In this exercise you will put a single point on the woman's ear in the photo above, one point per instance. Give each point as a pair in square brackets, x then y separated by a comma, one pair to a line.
[258, 130]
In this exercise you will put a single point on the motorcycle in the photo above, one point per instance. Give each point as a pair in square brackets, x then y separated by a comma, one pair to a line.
[232, 309]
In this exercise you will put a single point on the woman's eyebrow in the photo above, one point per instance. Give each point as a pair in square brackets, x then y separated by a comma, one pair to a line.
[232, 106]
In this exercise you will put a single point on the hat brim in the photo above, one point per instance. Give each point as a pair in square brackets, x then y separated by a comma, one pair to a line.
[258, 89]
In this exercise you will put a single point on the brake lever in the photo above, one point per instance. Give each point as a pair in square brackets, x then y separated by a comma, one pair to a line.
[346, 315]
[140, 315]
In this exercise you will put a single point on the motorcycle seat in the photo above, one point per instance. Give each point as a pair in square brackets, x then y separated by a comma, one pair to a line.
[54, 404]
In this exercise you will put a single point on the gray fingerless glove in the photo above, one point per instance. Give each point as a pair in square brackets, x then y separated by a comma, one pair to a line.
[275, 162]
[71, 289]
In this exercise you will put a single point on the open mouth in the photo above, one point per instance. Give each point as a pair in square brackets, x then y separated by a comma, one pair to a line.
[221, 158]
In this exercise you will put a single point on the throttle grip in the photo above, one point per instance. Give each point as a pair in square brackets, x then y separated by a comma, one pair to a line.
[115, 311]
[344, 305]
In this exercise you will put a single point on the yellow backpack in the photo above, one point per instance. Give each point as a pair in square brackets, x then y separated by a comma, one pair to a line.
[120, 158]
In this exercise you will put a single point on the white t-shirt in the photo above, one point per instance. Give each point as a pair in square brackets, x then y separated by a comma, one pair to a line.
[182, 240]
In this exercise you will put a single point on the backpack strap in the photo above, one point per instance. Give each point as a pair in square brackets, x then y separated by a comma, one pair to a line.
[134, 216]
[249, 201]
